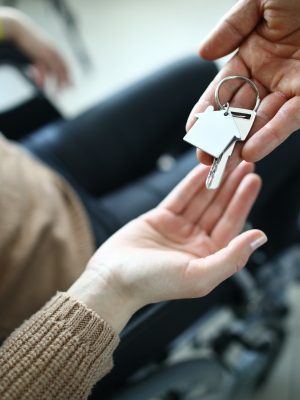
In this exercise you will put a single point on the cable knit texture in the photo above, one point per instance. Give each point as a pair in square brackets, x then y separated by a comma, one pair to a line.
[45, 237]
[59, 353]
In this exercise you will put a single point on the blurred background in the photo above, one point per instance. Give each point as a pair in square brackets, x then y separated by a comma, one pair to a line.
[111, 43]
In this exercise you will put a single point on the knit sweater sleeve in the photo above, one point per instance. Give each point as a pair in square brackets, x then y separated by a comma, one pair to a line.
[59, 353]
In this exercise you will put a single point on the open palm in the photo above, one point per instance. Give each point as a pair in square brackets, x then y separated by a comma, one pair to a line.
[268, 36]
[180, 249]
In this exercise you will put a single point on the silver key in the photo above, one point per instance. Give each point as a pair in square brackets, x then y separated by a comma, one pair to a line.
[244, 120]
[218, 167]
[216, 132]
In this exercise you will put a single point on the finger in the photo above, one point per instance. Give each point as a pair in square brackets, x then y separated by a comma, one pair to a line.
[236, 213]
[216, 209]
[63, 73]
[39, 74]
[204, 158]
[245, 97]
[182, 194]
[231, 30]
[268, 108]
[277, 130]
[57, 66]
[203, 275]
[203, 199]
[198, 204]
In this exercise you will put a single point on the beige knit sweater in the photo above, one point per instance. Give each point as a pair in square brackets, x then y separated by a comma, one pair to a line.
[45, 243]
[60, 353]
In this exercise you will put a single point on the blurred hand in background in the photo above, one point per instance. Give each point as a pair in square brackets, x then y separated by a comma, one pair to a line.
[36, 45]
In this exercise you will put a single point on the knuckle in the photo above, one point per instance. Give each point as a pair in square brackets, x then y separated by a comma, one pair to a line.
[263, 116]
[290, 113]
[234, 28]
[277, 136]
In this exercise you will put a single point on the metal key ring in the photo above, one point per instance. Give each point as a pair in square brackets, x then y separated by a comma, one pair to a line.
[229, 78]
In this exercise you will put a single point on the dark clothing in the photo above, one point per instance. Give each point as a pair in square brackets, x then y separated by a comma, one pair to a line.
[109, 154]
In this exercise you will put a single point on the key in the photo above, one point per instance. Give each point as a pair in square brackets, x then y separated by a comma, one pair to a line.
[244, 120]
[218, 167]
[216, 132]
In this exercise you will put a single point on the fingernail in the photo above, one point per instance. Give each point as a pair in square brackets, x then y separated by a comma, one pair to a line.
[258, 242]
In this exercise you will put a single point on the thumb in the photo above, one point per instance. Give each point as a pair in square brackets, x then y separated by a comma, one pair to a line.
[209, 272]
[231, 30]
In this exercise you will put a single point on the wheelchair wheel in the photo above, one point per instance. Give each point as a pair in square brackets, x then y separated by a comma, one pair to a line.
[197, 379]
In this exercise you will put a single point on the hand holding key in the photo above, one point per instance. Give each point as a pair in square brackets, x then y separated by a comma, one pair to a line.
[267, 36]
[216, 132]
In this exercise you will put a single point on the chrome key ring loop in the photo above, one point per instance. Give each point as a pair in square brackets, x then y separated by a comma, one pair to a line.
[229, 78]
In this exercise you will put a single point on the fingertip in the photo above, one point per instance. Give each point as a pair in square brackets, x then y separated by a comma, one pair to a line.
[248, 189]
[256, 180]
[190, 121]
[207, 50]
[198, 154]
[250, 153]
[258, 240]
[204, 158]
[205, 53]
[245, 244]
[253, 182]
[201, 53]
[249, 166]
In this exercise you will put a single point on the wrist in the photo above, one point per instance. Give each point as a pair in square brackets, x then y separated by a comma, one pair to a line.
[99, 294]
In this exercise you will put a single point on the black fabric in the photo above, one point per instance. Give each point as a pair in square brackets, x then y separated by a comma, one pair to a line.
[28, 116]
[24, 118]
[109, 153]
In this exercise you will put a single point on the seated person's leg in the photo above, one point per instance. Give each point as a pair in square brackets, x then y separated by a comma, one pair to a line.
[277, 207]
[110, 212]
[120, 139]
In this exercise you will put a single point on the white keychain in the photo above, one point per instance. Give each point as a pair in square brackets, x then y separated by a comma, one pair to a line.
[205, 133]
[216, 132]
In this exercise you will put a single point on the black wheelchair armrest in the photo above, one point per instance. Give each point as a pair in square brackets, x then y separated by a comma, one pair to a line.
[36, 112]
[148, 336]
[11, 54]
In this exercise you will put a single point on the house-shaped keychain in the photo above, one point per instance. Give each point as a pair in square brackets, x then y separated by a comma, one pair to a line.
[213, 131]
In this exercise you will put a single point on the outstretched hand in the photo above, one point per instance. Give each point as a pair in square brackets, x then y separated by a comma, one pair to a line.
[267, 34]
[183, 248]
